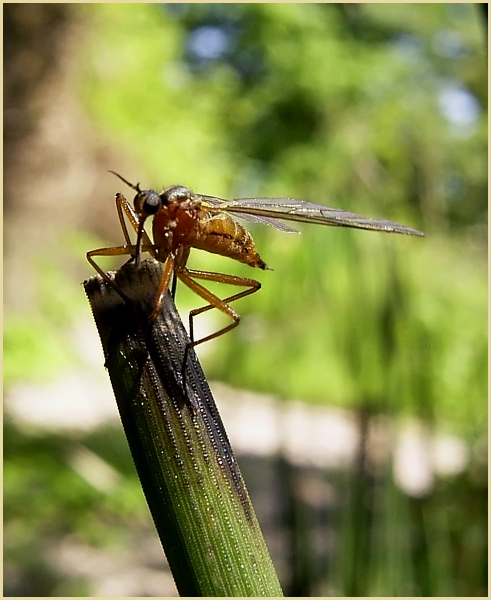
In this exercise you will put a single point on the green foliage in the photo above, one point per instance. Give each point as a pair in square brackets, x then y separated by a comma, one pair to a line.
[39, 348]
[61, 505]
[339, 105]
[352, 106]
[33, 350]
[316, 102]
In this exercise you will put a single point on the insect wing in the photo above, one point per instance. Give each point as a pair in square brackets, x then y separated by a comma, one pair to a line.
[224, 205]
[308, 212]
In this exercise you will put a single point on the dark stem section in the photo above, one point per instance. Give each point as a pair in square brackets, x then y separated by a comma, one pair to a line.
[192, 483]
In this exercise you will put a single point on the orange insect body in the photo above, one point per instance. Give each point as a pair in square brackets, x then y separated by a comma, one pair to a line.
[182, 224]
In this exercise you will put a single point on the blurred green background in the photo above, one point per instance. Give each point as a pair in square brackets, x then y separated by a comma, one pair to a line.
[380, 109]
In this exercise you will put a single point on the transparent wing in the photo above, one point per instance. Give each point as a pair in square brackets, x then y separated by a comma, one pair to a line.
[271, 209]
[247, 216]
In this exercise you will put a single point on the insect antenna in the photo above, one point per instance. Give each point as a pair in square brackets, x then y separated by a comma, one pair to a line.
[135, 187]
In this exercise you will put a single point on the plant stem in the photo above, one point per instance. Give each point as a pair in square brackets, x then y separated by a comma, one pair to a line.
[191, 480]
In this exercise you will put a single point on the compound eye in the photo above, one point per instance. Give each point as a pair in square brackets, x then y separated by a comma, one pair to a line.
[147, 203]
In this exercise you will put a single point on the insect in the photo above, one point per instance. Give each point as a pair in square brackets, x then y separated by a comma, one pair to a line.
[185, 220]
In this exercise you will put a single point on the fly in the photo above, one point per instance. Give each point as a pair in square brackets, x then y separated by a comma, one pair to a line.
[185, 220]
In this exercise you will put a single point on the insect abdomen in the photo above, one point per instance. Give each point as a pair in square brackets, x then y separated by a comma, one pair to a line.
[221, 234]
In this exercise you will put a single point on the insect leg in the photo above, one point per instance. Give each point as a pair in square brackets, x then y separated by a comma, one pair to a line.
[163, 285]
[113, 251]
[174, 286]
[188, 277]
[125, 208]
